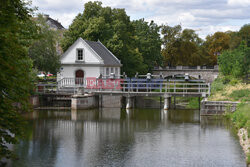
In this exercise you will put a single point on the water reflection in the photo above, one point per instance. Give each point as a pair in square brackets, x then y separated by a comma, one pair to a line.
[136, 137]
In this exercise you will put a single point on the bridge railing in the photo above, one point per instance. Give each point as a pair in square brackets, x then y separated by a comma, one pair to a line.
[144, 85]
[187, 68]
[126, 86]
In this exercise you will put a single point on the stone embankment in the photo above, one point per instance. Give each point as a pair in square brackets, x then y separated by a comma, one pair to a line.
[244, 141]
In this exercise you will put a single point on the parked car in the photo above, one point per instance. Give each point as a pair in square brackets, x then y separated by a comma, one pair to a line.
[41, 75]
[49, 75]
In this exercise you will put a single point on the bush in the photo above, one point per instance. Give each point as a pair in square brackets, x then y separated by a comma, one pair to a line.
[218, 84]
[235, 62]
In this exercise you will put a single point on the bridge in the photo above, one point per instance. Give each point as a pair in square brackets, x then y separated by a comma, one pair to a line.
[208, 73]
[141, 85]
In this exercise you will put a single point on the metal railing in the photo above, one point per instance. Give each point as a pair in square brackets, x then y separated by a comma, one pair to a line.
[126, 86]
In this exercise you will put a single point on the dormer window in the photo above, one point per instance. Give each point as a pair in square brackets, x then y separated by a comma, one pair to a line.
[80, 54]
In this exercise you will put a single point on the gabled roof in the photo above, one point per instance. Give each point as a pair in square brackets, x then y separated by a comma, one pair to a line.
[104, 53]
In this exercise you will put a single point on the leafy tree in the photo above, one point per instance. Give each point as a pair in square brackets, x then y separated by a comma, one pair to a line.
[113, 28]
[171, 36]
[16, 33]
[235, 62]
[182, 47]
[244, 33]
[43, 50]
[148, 42]
[216, 44]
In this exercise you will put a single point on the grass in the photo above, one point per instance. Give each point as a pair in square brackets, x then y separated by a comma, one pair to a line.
[241, 117]
[229, 89]
[248, 158]
[193, 103]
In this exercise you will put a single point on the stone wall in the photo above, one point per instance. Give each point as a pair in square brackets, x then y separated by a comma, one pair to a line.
[209, 75]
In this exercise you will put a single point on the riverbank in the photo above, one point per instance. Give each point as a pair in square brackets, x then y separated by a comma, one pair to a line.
[232, 89]
[241, 120]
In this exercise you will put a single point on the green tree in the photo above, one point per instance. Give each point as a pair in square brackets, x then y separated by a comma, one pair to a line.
[244, 33]
[113, 28]
[182, 47]
[235, 62]
[16, 33]
[43, 50]
[148, 41]
[170, 40]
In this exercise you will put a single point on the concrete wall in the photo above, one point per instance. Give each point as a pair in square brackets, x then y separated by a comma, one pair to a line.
[83, 102]
[109, 101]
[217, 107]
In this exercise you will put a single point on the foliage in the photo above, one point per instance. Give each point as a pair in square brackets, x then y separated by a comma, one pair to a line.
[193, 103]
[217, 85]
[244, 34]
[235, 62]
[241, 117]
[216, 44]
[115, 30]
[148, 42]
[182, 47]
[243, 94]
[16, 33]
[43, 50]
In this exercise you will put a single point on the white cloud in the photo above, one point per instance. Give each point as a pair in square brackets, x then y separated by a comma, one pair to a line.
[243, 3]
[208, 15]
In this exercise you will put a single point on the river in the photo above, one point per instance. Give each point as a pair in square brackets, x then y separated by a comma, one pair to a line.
[139, 137]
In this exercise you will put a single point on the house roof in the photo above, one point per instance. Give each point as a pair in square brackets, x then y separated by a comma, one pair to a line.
[104, 53]
[53, 23]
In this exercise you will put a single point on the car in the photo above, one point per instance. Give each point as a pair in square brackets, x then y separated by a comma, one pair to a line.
[49, 75]
[41, 75]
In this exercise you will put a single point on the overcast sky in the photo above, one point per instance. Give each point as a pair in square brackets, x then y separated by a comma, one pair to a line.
[204, 16]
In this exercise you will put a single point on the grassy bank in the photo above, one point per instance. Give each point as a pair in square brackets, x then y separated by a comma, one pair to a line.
[241, 119]
[228, 88]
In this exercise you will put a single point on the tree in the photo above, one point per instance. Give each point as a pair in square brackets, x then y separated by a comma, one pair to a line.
[16, 33]
[244, 33]
[113, 28]
[182, 47]
[148, 42]
[216, 44]
[43, 50]
[235, 62]
[171, 36]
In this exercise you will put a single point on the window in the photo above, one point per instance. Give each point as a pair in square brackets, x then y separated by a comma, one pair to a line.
[116, 71]
[112, 70]
[107, 71]
[80, 54]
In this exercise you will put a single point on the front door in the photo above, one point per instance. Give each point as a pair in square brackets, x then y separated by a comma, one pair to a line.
[79, 77]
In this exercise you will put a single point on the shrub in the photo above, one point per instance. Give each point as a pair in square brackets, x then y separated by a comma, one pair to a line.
[235, 62]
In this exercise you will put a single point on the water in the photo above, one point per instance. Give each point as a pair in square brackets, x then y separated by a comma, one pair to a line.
[114, 137]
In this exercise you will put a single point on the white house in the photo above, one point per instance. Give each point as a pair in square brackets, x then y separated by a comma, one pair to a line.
[88, 59]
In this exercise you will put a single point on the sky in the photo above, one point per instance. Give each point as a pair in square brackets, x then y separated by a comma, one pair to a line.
[204, 16]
